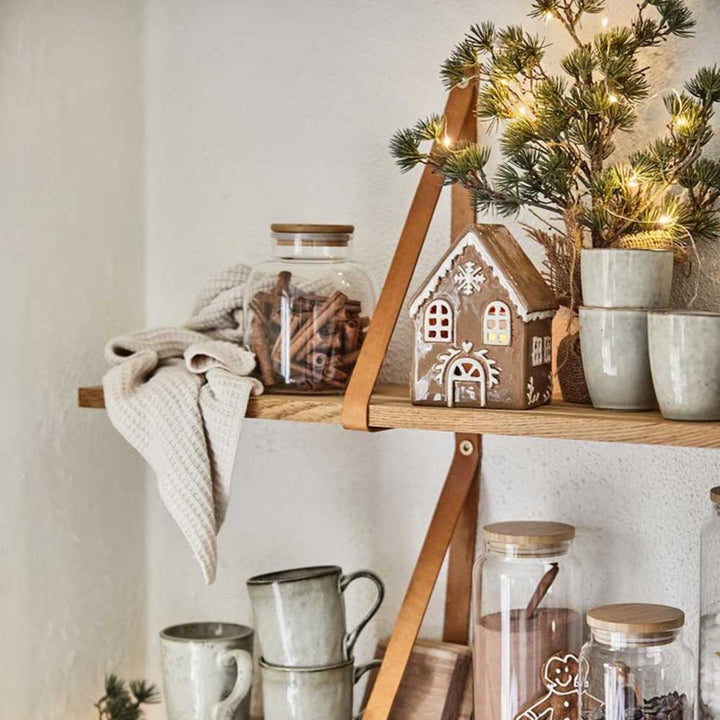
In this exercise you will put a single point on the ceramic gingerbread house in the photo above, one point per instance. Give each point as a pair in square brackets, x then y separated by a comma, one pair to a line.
[483, 326]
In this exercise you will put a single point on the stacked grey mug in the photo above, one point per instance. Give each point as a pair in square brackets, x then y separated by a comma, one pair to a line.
[307, 665]
[620, 287]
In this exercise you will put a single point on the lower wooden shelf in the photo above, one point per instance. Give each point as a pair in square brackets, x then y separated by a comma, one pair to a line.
[390, 408]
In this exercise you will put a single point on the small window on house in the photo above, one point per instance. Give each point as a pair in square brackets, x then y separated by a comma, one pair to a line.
[438, 322]
[496, 324]
[537, 351]
[547, 349]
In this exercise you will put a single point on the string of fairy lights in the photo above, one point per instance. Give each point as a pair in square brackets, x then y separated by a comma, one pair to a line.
[524, 109]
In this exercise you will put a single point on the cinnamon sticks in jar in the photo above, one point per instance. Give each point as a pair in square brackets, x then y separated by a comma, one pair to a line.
[305, 342]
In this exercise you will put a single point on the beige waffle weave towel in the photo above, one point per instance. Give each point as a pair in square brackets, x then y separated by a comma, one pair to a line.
[178, 396]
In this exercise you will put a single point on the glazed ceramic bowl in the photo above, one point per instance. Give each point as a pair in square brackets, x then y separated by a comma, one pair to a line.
[614, 345]
[624, 278]
[685, 362]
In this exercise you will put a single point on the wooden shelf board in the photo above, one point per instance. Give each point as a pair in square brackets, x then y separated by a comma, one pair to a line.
[391, 408]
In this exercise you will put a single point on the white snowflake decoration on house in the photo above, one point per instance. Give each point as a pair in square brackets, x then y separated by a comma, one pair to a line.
[468, 278]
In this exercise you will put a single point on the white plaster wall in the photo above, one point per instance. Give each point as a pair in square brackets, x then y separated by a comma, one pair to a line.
[72, 550]
[260, 112]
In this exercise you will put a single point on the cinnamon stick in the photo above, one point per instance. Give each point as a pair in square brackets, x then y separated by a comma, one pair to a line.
[283, 283]
[346, 360]
[262, 352]
[541, 590]
[292, 329]
[352, 335]
[333, 372]
[333, 383]
[319, 360]
[259, 314]
[326, 311]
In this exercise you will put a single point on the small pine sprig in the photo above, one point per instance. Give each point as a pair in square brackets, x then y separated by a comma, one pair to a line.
[124, 701]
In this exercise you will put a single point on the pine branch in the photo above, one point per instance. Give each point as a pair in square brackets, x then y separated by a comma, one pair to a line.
[122, 702]
[558, 133]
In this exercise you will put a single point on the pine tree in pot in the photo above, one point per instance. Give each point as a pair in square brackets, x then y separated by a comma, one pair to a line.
[558, 132]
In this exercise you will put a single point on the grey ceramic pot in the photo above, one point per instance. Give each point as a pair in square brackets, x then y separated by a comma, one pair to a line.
[685, 362]
[614, 345]
[207, 671]
[300, 615]
[620, 278]
[311, 693]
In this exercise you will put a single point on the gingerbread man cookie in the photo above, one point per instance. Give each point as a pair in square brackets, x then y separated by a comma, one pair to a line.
[561, 677]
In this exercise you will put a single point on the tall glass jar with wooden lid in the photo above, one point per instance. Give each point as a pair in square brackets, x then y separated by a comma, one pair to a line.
[710, 613]
[527, 615]
[636, 665]
[307, 309]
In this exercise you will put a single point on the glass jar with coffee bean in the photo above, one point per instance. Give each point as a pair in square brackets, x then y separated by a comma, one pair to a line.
[307, 310]
[710, 613]
[636, 666]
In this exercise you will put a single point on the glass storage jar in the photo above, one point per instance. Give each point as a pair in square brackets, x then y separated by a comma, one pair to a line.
[635, 666]
[527, 614]
[307, 309]
[710, 613]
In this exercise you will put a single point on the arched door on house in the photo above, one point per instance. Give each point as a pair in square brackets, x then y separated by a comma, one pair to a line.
[466, 383]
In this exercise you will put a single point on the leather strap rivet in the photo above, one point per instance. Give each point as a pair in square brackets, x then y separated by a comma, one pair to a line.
[466, 448]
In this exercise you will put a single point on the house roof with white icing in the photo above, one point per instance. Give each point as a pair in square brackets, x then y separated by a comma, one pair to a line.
[513, 269]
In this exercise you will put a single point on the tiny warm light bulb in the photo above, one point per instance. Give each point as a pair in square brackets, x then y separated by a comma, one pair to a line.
[665, 219]
[446, 141]
[605, 21]
[612, 98]
[522, 110]
[681, 121]
[633, 182]
[548, 16]
[504, 81]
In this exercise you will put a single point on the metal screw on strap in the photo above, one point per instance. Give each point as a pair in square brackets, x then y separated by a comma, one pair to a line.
[466, 447]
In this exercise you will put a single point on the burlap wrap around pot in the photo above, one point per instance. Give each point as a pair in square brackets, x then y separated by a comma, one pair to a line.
[570, 373]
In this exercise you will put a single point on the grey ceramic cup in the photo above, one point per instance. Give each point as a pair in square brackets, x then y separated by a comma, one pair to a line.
[616, 360]
[207, 671]
[300, 615]
[685, 362]
[324, 693]
[626, 278]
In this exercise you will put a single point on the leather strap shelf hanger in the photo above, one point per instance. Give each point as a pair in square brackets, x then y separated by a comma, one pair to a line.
[460, 124]
[454, 523]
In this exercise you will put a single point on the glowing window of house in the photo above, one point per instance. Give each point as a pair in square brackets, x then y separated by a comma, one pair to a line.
[496, 324]
[438, 322]
[537, 351]
[547, 349]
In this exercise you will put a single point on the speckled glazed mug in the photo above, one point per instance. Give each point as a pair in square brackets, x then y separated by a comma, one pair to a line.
[300, 615]
[207, 671]
[616, 360]
[324, 693]
[626, 277]
[685, 362]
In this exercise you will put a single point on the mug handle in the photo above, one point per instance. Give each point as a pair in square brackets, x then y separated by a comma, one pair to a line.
[226, 708]
[345, 580]
[359, 672]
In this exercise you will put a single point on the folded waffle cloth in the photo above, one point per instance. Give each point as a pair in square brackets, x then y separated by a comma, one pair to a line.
[178, 396]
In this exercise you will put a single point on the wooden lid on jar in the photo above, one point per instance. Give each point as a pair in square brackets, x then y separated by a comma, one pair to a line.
[636, 618]
[715, 495]
[304, 229]
[529, 534]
